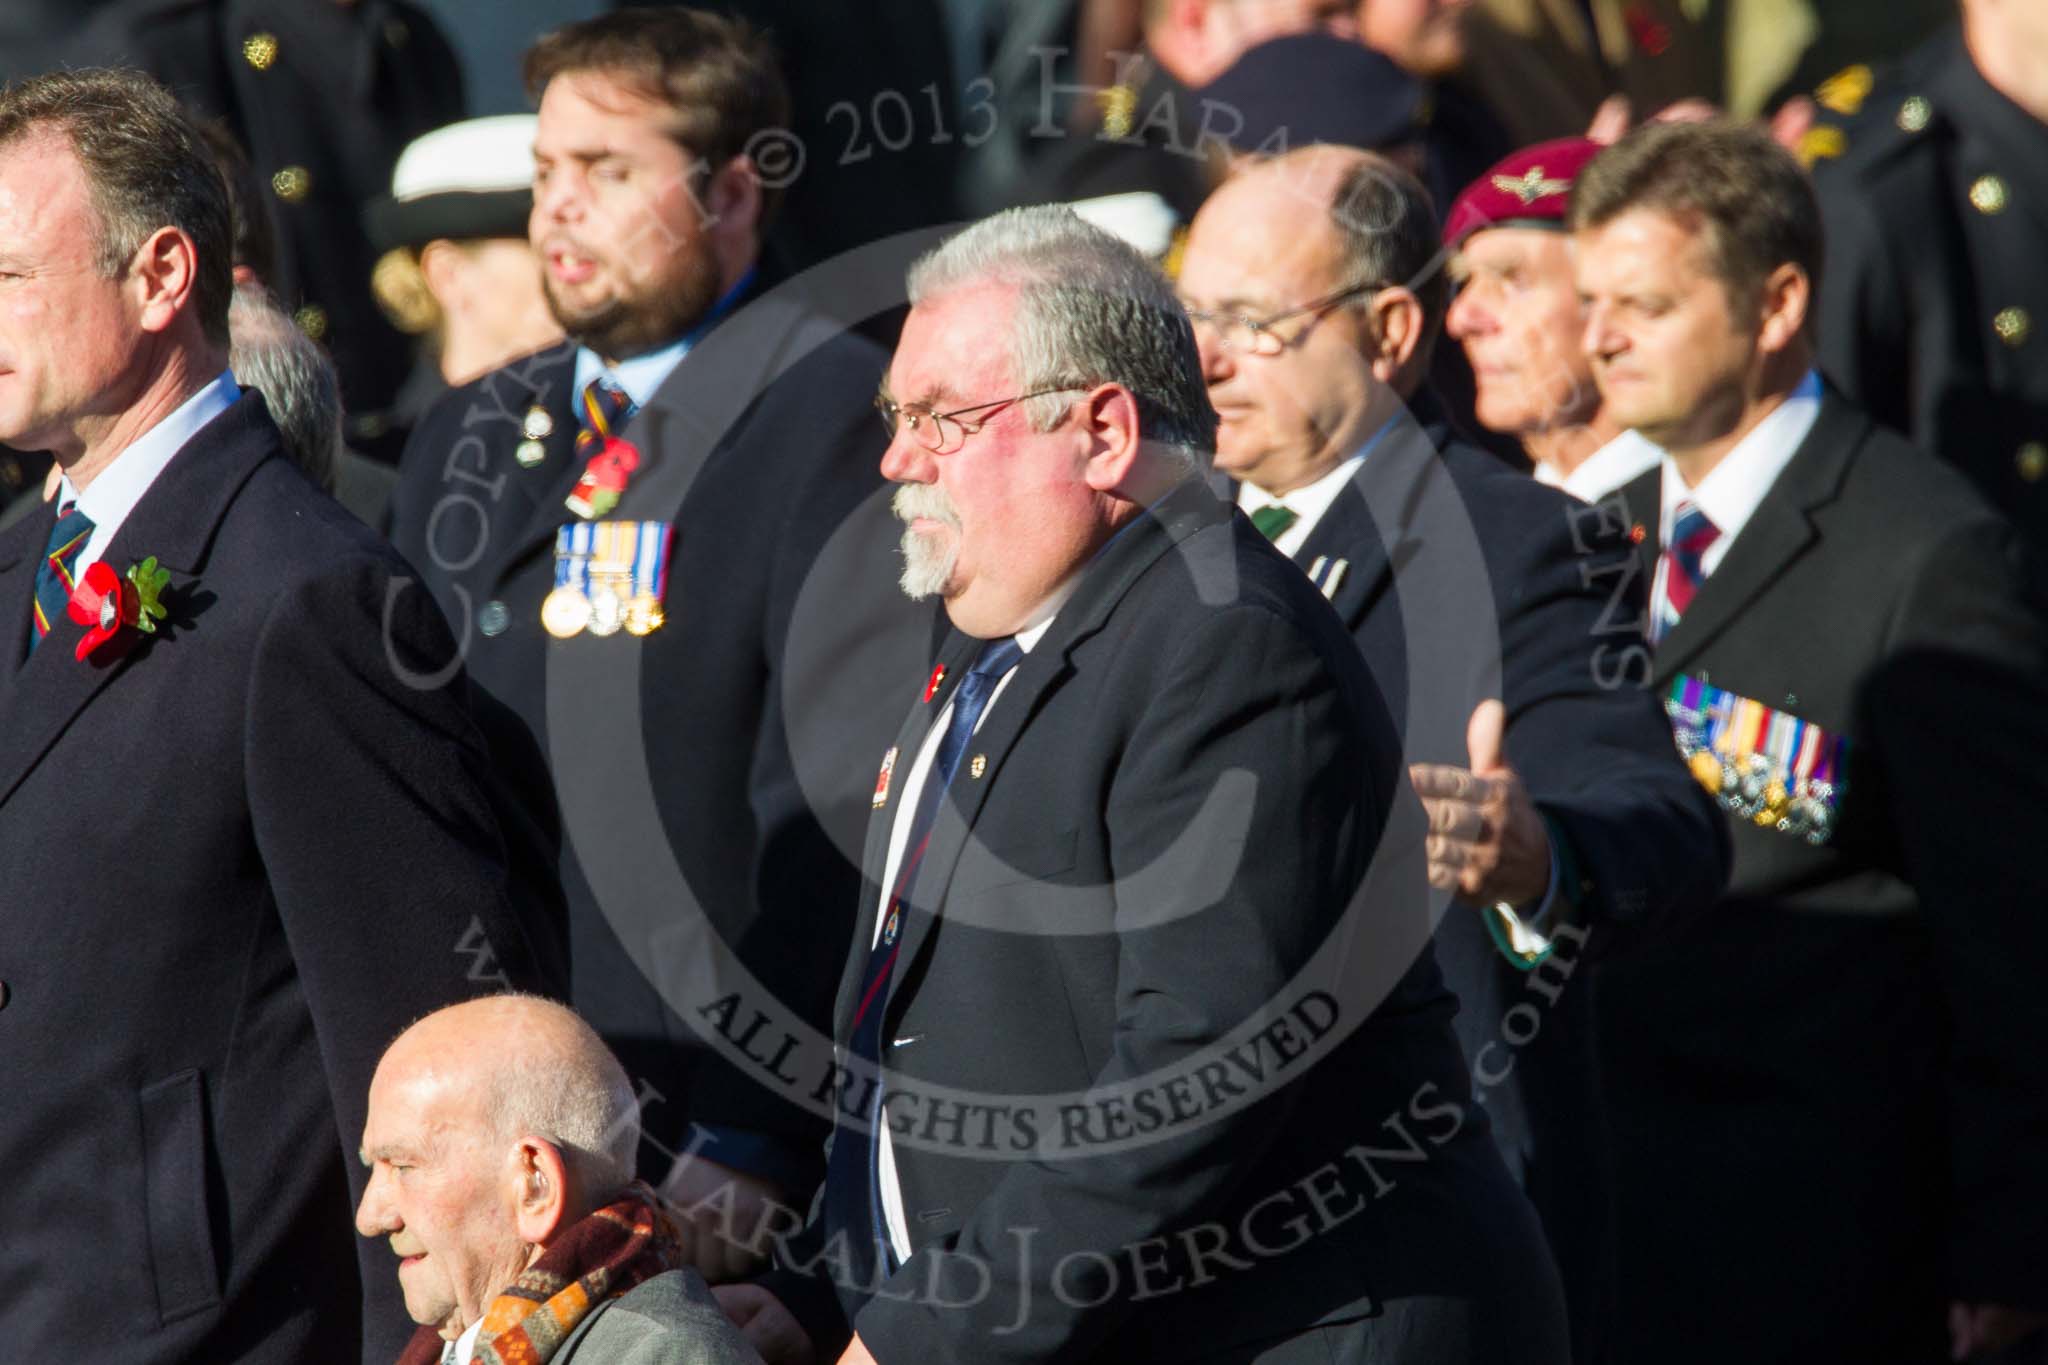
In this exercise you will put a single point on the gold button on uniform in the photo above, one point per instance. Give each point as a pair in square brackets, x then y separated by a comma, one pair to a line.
[312, 320]
[2013, 326]
[1988, 194]
[2031, 461]
[1914, 114]
[292, 184]
[260, 50]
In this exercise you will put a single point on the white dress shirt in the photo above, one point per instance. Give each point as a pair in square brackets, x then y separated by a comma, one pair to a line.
[463, 1347]
[639, 377]
[899, 835]
[113, 494]
[1310, 501]
[1606, 469]
[1733, 489]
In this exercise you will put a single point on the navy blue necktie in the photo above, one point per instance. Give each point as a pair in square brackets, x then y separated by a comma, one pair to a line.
[853, 1193]
[54, 575]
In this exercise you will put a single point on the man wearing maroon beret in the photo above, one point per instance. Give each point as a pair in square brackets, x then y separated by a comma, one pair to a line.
[1517, 315]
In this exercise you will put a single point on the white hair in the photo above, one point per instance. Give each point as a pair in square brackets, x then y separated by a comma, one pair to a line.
[560, 1082]
[1090, 310]
[267, 352]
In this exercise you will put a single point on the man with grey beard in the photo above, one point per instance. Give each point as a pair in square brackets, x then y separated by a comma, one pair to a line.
[641, 537]
[1124, 1037]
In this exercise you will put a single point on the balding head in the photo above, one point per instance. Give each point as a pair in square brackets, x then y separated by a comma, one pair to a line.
[1314, 279]
[493, 1126]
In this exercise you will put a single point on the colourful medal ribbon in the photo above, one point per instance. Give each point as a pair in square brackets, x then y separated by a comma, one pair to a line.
[650, 559]
[563, 542]
[583, 538]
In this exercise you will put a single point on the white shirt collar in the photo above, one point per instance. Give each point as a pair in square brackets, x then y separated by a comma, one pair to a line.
[111, 496]
[1028, 638]
[1732, 490]
[465, 1345]
[639, 377]
[1606, 469]
[1310, 501]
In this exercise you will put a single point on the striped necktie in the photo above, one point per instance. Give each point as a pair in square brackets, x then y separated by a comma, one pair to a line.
[1274, 518]
[853, 1194]
[1691, 536]
[604, 409]
[54, 576]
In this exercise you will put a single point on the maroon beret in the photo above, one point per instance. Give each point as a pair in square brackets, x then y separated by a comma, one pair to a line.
[1529, 188]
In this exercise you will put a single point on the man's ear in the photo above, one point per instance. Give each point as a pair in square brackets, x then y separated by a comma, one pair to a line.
[540, 1189]
[1786, 297]
[731, 202]
[1397, 321]
[166, 270]
[1108, 416]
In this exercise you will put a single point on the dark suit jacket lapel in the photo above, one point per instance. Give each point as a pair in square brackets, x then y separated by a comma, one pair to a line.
[1642, 498]
[175, 522]
[551, 383]
[1779, 531]
[1176, 517]
[1385, 492]
[21, 550]
[955, 655]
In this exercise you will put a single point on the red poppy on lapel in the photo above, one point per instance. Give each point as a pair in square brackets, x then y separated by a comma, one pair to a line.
[108, 603]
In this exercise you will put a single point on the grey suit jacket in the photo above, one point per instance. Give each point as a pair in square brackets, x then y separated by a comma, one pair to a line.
[668, 1320]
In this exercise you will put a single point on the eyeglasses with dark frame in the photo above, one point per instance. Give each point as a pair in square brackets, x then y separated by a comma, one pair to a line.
[930, 429]
[1241, 335]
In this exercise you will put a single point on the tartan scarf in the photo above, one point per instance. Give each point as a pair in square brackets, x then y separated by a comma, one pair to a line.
[599, 1258]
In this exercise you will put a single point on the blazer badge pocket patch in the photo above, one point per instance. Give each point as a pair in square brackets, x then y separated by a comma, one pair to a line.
[609, 576]
[1762, 765]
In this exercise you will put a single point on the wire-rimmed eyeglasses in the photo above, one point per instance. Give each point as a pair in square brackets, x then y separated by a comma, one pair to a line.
[1243, 335]
[942, 431]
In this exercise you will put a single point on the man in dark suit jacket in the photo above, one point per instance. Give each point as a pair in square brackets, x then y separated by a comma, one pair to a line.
[1830, 1092]
[1500, 619]
[690, 742]
[1090, 878]
[241, 848]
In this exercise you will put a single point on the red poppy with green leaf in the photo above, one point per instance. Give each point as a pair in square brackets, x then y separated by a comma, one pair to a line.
[109, 603]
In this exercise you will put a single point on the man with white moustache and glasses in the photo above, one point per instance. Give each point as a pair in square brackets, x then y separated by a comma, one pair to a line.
[1115, 844]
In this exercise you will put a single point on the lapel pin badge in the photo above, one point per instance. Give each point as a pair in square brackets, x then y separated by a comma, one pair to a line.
[882, 779]
[979, 766]
[534, 428]
[931, 686]
[1326, 573]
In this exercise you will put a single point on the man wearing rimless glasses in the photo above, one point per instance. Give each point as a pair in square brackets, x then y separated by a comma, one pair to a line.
[1565, 809]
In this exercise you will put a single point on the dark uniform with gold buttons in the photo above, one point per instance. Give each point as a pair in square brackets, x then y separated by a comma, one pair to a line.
[323, 95]
[21, 483]
[1935, 191]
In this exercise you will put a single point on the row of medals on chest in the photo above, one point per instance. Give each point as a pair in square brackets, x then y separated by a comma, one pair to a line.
[614, 602]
